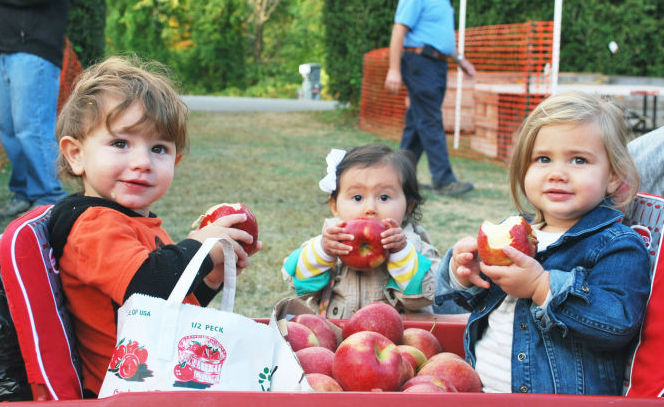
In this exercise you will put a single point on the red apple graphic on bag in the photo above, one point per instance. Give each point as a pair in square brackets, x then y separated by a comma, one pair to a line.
[250, 225]
[368, 252]
[128, 366]
[514, 231]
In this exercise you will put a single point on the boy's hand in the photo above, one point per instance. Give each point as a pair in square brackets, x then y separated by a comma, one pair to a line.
[525, 278]
[332, 238]
[222, 227]
[465, 264]
[394, 238]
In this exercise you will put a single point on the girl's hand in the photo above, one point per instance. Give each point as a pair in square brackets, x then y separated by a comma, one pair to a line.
[394, 238]
[465, 264]
[525, 278]
[332, 238]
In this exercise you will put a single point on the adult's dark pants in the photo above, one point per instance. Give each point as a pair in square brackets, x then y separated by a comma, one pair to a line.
[426, 81]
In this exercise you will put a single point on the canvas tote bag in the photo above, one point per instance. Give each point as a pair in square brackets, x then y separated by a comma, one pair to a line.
[166, 345]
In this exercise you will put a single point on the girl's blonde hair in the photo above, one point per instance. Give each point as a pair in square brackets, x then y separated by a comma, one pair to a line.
[129, 80]
[576, 108]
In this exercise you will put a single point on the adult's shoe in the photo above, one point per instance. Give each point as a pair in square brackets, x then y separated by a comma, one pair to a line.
[15, 206]
[455, 188]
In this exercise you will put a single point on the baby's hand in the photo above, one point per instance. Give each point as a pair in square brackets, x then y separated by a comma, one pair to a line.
[465, 263]
[332, 238]
[525, 278]
[394, 238]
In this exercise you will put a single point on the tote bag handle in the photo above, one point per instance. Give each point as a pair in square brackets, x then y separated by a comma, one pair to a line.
[230, 279]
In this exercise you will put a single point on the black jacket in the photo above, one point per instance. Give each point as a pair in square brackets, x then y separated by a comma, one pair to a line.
[34, 26]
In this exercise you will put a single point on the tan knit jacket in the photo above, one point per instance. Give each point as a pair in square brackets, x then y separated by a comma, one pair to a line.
[353, 289]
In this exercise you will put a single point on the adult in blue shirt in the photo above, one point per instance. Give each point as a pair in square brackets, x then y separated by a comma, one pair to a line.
[422, 41]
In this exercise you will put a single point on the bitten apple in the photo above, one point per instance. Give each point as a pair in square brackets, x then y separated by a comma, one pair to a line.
[366, 361]
[322, 329]
[250, 225]
[300, 337]
[368, 251]
[316, 359]
[455, 370]
[322, 383]
[514, 231]
[377, 317]
[423, 340]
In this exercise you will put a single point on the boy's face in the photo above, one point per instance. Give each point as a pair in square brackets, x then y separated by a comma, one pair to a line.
[133, 167]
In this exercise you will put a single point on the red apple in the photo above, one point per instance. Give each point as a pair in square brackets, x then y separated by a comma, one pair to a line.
[514, 231]
[322, 383]
[413, 355]
[424, 388]
[407, 370]
[422, 340]
[250, 225]
[455, 370]
[322, 329]
[368, 251]
[377, 317]
[300, 337]
[368, 360]
[445, 385]
[316, 359]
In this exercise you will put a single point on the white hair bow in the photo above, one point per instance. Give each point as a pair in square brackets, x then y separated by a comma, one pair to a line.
[329, 182]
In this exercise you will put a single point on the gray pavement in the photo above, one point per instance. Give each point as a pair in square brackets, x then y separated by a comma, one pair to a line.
[247, 104]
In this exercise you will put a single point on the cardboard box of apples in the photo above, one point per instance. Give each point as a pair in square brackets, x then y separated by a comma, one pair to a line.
[376, 350]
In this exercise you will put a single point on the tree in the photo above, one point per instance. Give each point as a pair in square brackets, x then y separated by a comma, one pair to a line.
[261, 12]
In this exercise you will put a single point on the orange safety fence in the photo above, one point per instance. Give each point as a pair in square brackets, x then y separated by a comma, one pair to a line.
[71, 67]
[513, 75]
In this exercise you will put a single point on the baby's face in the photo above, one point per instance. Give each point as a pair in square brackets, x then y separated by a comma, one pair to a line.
[372, 192]
[131, 166]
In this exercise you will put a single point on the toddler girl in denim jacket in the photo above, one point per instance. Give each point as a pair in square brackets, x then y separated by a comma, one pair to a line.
[564, 321]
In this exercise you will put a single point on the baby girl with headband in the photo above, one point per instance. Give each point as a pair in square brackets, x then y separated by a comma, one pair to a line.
[370, 181]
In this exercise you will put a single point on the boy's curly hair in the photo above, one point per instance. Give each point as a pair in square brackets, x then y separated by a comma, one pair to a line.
[127, 80]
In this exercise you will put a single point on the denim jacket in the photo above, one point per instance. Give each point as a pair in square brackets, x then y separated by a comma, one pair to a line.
[579, 343]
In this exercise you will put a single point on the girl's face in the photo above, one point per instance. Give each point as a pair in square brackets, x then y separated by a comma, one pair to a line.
[133, 167]
[569, 173]
[370, 192]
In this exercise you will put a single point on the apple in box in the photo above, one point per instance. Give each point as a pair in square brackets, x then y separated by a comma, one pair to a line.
[377, 317]
[322, 329]
[300, 337]
[322, 383]
[366, 361]
[316, 359]
[250, 225]
[423, 340]
[442, 384]
[450, 367]
[514, 231]
[413, 355]
[368, 251]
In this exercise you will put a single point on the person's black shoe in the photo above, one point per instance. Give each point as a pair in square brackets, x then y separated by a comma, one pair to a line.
[455, 188]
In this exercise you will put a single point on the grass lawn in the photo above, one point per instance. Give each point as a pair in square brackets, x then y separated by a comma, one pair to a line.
[272, 162]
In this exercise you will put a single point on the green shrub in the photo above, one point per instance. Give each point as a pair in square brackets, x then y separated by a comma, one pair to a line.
[353, 27]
